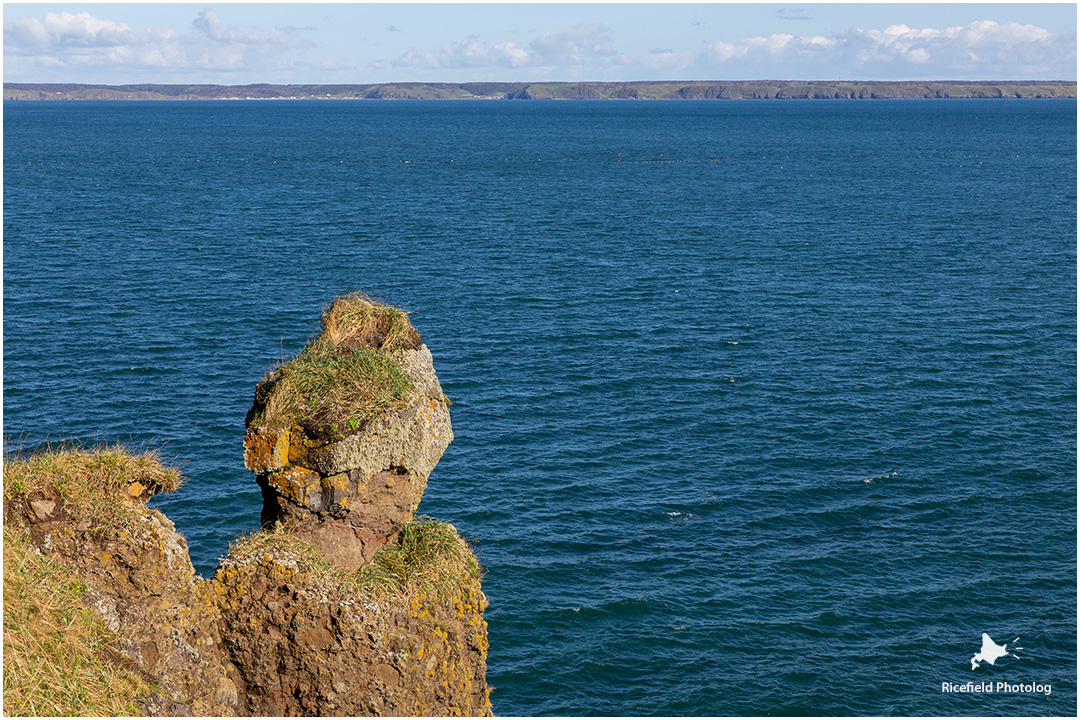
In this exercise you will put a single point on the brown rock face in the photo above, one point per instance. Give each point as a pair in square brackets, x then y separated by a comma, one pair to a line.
[306, 646]
[349, 493]
[144, 587]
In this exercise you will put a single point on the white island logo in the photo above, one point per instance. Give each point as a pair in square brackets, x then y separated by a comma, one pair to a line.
[991, 651]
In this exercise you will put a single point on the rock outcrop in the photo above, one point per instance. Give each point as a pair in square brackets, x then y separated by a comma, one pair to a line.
[140, 580]
[419, 650]
[346, 604]
[345, 473]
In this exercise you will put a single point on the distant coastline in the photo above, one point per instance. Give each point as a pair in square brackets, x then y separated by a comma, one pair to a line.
[645, 90]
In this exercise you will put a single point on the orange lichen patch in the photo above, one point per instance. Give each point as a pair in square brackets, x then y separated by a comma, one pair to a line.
[300, 446]
[336, 490]
[266, 450]
[298, 483]
[339, 481]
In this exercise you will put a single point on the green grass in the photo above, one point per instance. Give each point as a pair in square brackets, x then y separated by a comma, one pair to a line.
[54, 646]
[427, 557]
[345, 376]
[90, 479]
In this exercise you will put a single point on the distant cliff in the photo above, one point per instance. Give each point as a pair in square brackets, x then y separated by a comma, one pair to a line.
[345, 603]
[645, 90]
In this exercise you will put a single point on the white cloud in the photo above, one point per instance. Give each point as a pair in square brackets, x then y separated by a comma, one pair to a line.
[415, 57]
[570, 48]
[474, 53]
[721, 51]
[82, 41]
[983, 48]
[28, 36]
[578, 44]
[667, 59]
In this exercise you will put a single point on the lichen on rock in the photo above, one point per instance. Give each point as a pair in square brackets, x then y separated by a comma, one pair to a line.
[346, 604]
[344, 436]
[87, 509]
[406, 635]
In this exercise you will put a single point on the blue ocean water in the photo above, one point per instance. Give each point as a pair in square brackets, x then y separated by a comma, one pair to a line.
[760, 407]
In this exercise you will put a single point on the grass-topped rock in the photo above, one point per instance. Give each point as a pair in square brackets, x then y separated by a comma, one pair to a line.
[403, 636]
[346, 376]
[344, 435]
[134, 628]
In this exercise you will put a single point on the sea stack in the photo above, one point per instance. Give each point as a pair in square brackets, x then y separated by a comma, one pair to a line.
[345, 605]
[343, 437]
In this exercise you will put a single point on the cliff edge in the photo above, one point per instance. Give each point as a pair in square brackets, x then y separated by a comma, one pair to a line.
[345, 604]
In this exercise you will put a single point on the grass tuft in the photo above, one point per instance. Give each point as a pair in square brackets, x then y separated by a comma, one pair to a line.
[344, 377]
[356, 320]
[89, 479]
[54, 646]
[427, 557]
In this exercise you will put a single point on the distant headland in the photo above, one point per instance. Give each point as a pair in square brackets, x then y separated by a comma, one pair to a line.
[645, 90]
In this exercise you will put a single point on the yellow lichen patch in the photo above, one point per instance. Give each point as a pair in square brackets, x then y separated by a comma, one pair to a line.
[265, 450]
[301, 446]
[297, 483]
[339, 481]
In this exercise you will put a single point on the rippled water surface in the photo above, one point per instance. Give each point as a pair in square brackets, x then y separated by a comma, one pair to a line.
[760, 407]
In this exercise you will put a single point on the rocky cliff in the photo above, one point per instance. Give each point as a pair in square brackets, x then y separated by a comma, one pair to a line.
[87, 509]
[649, 89]
[346, 603]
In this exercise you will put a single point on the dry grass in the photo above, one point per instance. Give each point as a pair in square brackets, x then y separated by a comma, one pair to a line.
[357, 320]
[428, 556]
[89, 479]
[54, 646]
[345, 376]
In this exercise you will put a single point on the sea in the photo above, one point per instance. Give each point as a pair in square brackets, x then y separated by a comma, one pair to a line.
[760, 407]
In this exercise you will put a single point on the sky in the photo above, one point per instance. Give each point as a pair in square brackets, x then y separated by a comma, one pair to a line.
[239, 43]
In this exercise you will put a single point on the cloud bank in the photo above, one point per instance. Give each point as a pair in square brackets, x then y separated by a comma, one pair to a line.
[81, 42]
[581, 46]
[977, 50]
[79, 47]
[980, 50]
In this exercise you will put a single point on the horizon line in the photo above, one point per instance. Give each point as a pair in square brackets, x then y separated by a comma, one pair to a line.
[549, 82]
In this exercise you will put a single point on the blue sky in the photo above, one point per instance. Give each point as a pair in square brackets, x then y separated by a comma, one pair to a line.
[239, 43]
